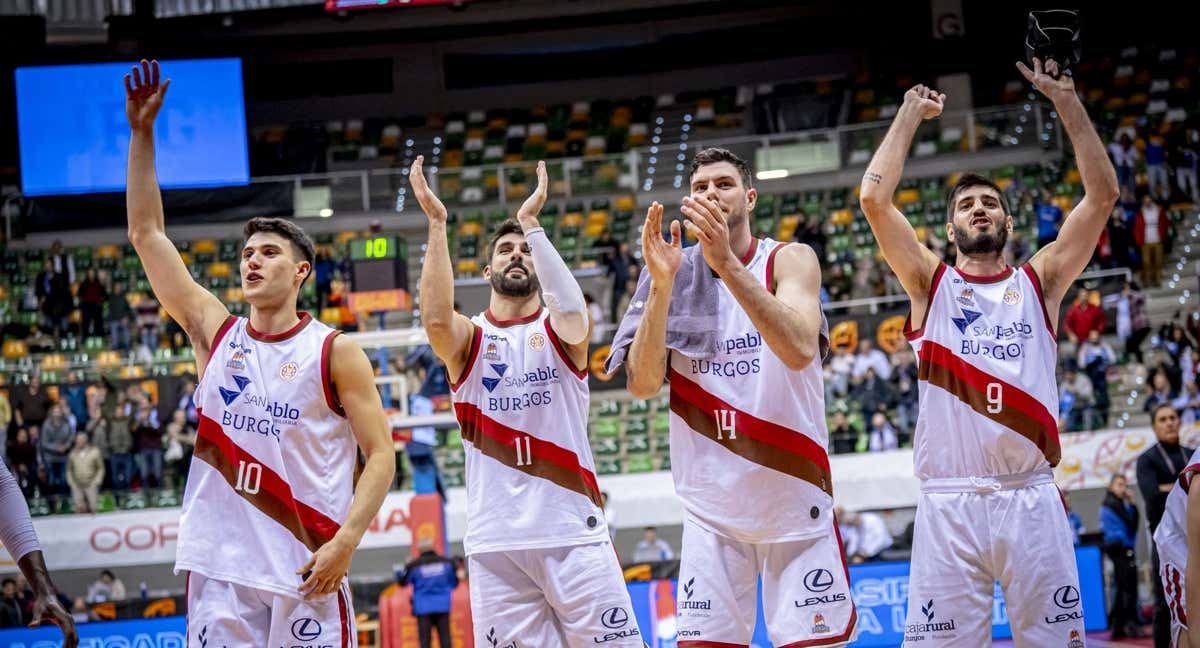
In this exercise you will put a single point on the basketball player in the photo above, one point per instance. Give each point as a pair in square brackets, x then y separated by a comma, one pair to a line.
[986, 434]
[747, 422]
[271, 515]
[1179, 559]
[543, 570]
[21, 542]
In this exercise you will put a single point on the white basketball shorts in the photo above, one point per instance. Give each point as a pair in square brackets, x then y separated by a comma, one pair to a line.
[220, 613]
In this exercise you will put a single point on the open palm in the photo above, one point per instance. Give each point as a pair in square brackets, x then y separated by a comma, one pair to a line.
[662, 258]
[144, 95]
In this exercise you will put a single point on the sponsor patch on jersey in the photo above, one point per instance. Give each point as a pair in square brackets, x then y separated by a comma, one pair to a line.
[1011, 296]
[491, 353]
[966, 297]
[237, 361]
[288, 371]
[819, 626]
[968, 318]
[537, 341]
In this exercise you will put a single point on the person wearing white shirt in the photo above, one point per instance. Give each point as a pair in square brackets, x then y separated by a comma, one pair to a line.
[652, 548]
[864, 534]
[871, 358]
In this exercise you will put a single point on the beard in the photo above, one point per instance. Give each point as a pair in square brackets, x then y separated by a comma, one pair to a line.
[515, 286]
[985, 243]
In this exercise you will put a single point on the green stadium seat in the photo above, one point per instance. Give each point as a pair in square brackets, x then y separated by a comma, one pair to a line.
[639, 464]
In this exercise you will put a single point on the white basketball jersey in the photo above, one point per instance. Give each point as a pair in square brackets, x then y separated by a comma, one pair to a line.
[523, 410]
[748, 436]
[272, 475]
[988, 397]
[1171, 535]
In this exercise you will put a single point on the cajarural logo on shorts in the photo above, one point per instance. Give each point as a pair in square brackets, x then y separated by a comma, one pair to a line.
[930, 626]
[494, 641]
[689, 591]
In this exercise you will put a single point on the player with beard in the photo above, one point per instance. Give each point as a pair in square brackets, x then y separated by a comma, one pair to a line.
[543, 569]
[986, 434]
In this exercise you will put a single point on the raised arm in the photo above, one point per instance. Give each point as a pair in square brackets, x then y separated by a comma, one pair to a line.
[790, 319]
[449, 332]
[646, 365]
[564, 298]
[198, 311]
[912, 262]
[1059, 263]
[354, 381]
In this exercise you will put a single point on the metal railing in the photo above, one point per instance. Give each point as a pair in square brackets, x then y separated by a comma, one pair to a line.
[663, 165]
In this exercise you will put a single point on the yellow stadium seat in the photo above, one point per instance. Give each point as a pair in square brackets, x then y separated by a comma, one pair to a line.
[787, 227]
[133, 371]
[907, 197]
[220, 269]
[626, 203]
[597, 216]
[344, 237]
[1003, 183]
[594, 229]
[204, 246]
[233, 294]
[573, 219]
[15, 349]
[841, 217]
[473, 228]
[108, 359]
[187, 257]
[467, 266]
[53, 362]
[330, 316]
[108, 252]
[1073, 177]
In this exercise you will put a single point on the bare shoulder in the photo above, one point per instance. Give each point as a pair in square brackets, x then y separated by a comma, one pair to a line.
[796, 259]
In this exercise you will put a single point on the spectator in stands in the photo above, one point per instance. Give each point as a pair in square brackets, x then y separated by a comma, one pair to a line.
[118, 318]
[905, 396]
[841, 365]
[6, 418]
[881, 436]
[621, 267]
[22, 455]
[1119, 523]
[433, 580]
[55, 438]
[630, 290]
[150, 445]
[1150, 233]
[1157, 472]
[1095, 357]
[810, 232]
[11, 614]
[54, 300]
[652, 548]
[1016, 254]
[148, 322]
[431, 370]
[870, 358]
[1124, 157]
[865, 535]
[1120, 238]
[1132, 323]
[80, 611]
[1189, 160]
[38, 341]
[1083, 317]
[120, 441]
[1073, 518]
[1188, 403]
[838, 283]
[187, 402]
[872, 393]
[1156, 167]
[92, 295]
[1049, 217]
[61, 262]
[85, 473]
[179, 439]
[32, 403]
[74, 394]
[596, 312]
[1077, 401]
[843, 436]
[1162, 394]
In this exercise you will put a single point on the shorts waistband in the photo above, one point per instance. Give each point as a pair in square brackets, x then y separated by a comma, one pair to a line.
[987, 484]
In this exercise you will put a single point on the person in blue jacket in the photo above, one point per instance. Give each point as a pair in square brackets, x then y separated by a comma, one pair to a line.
[433, 580]
[1119, 523]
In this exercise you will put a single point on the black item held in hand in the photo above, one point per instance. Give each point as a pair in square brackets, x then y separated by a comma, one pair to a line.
[1054, 34]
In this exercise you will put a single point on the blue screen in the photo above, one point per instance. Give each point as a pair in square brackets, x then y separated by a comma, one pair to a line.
[74, 137]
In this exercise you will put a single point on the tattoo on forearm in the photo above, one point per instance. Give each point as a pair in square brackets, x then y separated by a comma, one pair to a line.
[874, 177]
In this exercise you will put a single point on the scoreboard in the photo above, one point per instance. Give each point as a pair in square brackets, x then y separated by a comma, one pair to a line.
[350, 5]
[379, 269]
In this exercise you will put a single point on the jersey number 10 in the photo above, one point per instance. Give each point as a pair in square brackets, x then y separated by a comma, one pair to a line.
[249, 477]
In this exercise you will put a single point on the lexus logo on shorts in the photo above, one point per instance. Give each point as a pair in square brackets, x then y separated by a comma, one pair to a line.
[818, 580]
[1066, 597]
[614, 618]
[306, 629]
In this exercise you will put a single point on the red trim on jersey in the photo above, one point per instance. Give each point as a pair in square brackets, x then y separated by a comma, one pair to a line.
[1037, 285]
[331, 398]
[769, 278]
[745, 258]
[305, 318]
[853, 621]
[230, 320]
[344, 615]
[704, 643]
[808, 461]
[472, 355]
[1173, 588]
[933, 286]
[274, 498]
[1017, 407]
[1000, 276]
[1186, 475]
[511, 322]
[564, 469]
[562, 352]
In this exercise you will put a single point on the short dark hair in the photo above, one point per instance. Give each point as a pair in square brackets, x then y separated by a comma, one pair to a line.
[301, 243]
[509, 226]
[105, 572]
[1161, 406]
[6, 581]
[713, 155]
[967, 181]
